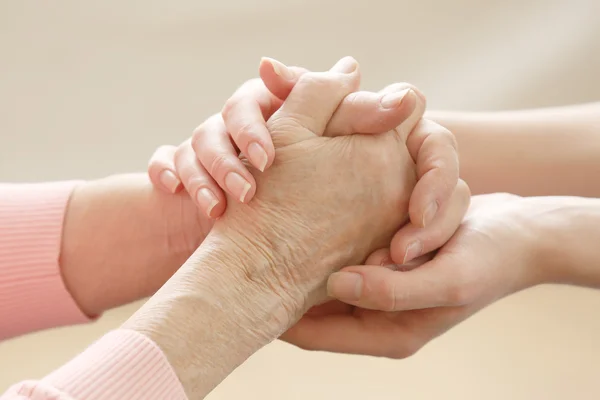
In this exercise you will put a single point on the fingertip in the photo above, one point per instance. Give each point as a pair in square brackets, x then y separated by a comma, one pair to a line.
[277, 77]
[169, 181]
[258, 156]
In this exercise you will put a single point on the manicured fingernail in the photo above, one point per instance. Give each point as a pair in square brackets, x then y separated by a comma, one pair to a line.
[394, 99]
[413, 250]
[258, 156]
[169, 180]
[346, 65]
[429, 213]
[207, 200]
[237, 185]
[280, 69]
[345, 286]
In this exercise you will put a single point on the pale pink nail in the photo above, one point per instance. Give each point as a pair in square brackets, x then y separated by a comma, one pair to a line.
[394, 99]
[279, 68]
[206, 199]
[413, 250]
[169, 180]
[237, 185]
[258, 156]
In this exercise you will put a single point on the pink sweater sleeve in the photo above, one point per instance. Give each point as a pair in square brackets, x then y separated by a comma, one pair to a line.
[121, 365]
[32, 293]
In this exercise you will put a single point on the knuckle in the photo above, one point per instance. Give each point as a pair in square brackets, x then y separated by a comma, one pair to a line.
[463, 190]
[385, 297]
[320, 81]
[229, 107]
[218, 164]
[198, 136]
[459, 294]
[245, 133]
[180, 154]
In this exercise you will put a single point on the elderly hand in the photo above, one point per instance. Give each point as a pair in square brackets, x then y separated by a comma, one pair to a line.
[265, 263]
[325, 201]
[205, 163]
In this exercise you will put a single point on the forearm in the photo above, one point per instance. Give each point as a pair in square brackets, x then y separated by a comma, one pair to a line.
[122, 240]
[218, 299]
[569, 230]
[531, 153]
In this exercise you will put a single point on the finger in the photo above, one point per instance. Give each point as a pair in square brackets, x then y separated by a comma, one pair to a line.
[364, 112]
[378, 335]
[412, 241]
[434, 150]
[433, 284]
[411, 122]
[245, 113]
[215, 151]
[161, 170]
[383, 258]
[371, 113]
[278, 78]
[198, 183]
[313, 101]
[243, 118]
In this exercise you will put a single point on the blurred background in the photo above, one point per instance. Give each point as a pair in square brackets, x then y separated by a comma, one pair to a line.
[89, 89]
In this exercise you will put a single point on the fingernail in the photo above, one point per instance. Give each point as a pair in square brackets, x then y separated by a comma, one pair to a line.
[394, 99]
[429, 213]
[258, 156]
[280, 69]
[207, 200]
[169, 180]
[346, 65]
[413, 250]
[237, 185]
[345, 286]
[387, 260]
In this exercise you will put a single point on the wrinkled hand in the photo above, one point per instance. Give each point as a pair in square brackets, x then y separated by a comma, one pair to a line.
[494, 253]
[209, 160]
[325, 201]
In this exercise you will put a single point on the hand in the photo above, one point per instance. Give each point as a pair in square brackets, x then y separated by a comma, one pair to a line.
[211, 154]
[302, 199]
[265, 263]
[500, 248]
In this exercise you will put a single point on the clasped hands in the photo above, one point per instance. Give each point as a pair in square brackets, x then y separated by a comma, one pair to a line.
[330, 177]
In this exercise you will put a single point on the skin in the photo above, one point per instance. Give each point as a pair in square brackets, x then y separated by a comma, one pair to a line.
[487, 142]
[156, 234]
[209, 153]
[543, 152]
[245, 286]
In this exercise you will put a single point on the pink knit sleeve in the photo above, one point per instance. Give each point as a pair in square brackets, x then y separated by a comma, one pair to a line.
[32, 293]
[122, 365]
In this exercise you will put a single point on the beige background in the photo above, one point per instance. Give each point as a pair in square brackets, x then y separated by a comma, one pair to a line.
[91, 88]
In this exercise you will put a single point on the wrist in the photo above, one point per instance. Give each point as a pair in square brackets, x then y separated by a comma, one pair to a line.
[569, 238]
[214, 313]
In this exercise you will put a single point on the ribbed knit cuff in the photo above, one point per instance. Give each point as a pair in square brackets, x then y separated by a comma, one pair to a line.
[32, 293]
[122, 365]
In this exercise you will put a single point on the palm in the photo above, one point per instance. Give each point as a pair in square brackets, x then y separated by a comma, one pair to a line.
[339, 327]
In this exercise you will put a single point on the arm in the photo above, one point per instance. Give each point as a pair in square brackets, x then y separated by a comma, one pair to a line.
[530, 153]
[193, 332]
[58, 265]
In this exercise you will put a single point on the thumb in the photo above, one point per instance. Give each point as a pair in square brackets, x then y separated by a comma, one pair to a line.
[278, 78]
[385, 288]
[406, 127]
[312, 101]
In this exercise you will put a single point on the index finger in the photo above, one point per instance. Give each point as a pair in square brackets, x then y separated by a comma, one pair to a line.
[434, 151]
